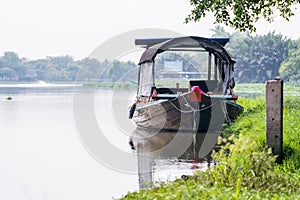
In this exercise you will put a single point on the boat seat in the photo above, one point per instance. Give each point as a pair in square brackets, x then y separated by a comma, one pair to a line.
[164, 91]
[171, 90]
[204, 85]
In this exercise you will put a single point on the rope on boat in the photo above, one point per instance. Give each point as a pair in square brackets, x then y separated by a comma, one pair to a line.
[191, 107]
[226, 116]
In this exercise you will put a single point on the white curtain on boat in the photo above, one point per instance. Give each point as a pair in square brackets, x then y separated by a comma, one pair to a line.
[145, 79]
[228, 77]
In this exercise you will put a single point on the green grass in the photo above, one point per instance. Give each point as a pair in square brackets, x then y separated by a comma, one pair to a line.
[252, 125]
[259, 88]
[245, 169]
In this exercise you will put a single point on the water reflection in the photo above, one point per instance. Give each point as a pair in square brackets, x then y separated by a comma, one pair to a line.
[166, 155]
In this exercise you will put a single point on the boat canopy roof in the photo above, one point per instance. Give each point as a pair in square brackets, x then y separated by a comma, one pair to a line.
[147, 42]
[189, 43]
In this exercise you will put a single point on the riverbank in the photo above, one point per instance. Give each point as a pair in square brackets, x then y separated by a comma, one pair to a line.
[111, 85]
[245, 170]
[290, 88]
[249, 88]
[254, 89]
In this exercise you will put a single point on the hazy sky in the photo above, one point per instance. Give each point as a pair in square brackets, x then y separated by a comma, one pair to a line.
[37, 28]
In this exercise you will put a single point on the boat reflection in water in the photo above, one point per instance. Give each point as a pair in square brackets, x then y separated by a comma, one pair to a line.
[164, 155]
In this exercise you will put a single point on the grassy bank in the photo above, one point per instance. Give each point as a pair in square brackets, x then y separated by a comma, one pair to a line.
[259, 88]
[245, 169]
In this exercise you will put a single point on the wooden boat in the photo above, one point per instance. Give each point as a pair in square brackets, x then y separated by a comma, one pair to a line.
[202, 104]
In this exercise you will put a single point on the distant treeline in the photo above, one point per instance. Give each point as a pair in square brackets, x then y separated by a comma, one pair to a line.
[258, 58]
[262, 57]
[62, 68]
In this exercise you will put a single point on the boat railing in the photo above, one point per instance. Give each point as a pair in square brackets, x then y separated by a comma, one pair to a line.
[167, 93]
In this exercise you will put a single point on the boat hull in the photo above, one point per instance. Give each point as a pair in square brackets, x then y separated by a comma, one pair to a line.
[183, 114]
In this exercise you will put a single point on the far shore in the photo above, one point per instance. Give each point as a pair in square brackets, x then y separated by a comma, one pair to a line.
[241, 88]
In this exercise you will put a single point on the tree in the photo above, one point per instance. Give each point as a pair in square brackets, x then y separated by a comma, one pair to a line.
[120, 71]
[61, 68]
[41, 67]
[11, 60]
[7, 74]
[290, 69]
[90, 69]
[241, 14]
[259, 57]
[219, 31]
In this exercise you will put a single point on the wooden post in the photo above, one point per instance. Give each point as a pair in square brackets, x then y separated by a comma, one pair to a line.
[274, 118]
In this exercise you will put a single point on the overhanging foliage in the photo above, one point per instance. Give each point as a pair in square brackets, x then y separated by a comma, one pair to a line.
[240, 14]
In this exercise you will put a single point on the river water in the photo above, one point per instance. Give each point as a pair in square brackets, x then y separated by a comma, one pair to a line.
[47, 150]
